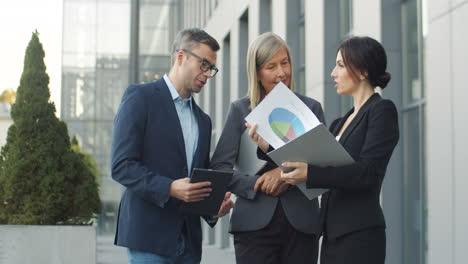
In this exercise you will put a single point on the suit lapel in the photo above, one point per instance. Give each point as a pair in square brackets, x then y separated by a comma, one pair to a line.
[201, 132]
[173, 123]
[358, 117]
[340, 124]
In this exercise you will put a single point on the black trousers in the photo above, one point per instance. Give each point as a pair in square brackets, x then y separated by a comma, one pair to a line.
[361, 247]
[277, 243]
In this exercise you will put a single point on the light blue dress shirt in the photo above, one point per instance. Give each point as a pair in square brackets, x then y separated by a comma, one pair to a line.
[188, 122]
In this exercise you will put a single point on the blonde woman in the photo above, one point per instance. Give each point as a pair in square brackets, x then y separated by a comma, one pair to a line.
[272, 222]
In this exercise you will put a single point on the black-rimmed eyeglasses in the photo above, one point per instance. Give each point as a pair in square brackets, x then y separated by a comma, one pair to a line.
[205, 65]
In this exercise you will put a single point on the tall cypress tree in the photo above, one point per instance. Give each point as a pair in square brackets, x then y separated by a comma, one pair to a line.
[42, 181]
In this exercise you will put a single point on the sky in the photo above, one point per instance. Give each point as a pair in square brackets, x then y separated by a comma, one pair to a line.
[18, 19]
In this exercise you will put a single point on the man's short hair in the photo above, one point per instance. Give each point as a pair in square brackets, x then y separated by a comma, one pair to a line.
[190, 38]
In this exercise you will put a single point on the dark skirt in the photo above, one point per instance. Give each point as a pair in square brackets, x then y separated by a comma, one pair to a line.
[277, 243]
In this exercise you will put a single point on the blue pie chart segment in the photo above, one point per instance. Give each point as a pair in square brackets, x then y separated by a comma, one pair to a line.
[286, 125]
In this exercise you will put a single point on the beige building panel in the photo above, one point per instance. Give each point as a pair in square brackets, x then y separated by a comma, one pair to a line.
[436, 8]
[460, 111]
[439, 142]
[315, 49]
[278, 10]
[367, 18]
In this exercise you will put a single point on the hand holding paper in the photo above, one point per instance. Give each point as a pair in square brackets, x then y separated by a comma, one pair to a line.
[256, 138]
[281, 117]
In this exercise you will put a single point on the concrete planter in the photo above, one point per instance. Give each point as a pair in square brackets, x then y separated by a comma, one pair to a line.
[31, 244]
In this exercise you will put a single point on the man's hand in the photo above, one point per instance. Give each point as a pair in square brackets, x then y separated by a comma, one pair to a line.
[271, 183]
[226, 205]
[183, 190]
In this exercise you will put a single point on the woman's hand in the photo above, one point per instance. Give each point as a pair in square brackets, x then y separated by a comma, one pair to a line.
[226, 205]
[297, 175]
[256, 138]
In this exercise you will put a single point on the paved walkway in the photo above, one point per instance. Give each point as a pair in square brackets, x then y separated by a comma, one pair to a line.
[107, 253]
[214, 255]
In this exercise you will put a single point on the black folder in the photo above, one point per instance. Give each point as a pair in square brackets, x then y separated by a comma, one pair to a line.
[211, 204]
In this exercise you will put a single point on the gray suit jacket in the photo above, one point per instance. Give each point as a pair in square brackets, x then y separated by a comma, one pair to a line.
[253, 211]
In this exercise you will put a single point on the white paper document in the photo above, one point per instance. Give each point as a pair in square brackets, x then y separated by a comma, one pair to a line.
[281, 117]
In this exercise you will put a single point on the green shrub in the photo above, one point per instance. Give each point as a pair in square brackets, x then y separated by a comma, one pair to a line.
[42, 180]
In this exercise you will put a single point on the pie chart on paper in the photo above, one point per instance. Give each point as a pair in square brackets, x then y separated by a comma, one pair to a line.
[286, 125]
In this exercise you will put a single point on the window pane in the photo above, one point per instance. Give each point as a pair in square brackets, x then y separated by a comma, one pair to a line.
[301, 8]
[345, 17]
[413, 184]
[301, 45]
[226, 73]
[301, 82]
[212, 107]
[412, 86]
[265, 16]
[157, 31]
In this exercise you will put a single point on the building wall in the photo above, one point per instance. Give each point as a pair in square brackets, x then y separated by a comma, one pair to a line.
[446, 129]
[440, 213]
[315, 57]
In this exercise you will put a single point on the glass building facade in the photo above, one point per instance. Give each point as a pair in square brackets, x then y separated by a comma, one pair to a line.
[94, 75]
[100, 59]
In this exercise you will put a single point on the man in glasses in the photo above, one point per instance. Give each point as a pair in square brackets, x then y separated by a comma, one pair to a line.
[160, 134]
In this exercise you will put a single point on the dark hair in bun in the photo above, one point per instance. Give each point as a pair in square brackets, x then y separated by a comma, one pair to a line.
[366, 56]
[383, 80]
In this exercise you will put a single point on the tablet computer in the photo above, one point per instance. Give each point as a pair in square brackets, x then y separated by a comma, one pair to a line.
[211, 204]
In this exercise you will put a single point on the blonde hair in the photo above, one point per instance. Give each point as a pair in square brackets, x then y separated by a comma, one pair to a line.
[260, 52]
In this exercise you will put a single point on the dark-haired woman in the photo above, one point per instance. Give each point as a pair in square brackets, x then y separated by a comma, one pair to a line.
[353, 222]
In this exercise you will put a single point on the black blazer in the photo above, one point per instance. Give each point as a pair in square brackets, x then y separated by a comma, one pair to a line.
[352, 204]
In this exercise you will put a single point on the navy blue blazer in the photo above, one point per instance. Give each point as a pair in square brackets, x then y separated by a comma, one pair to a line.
[148, 153]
